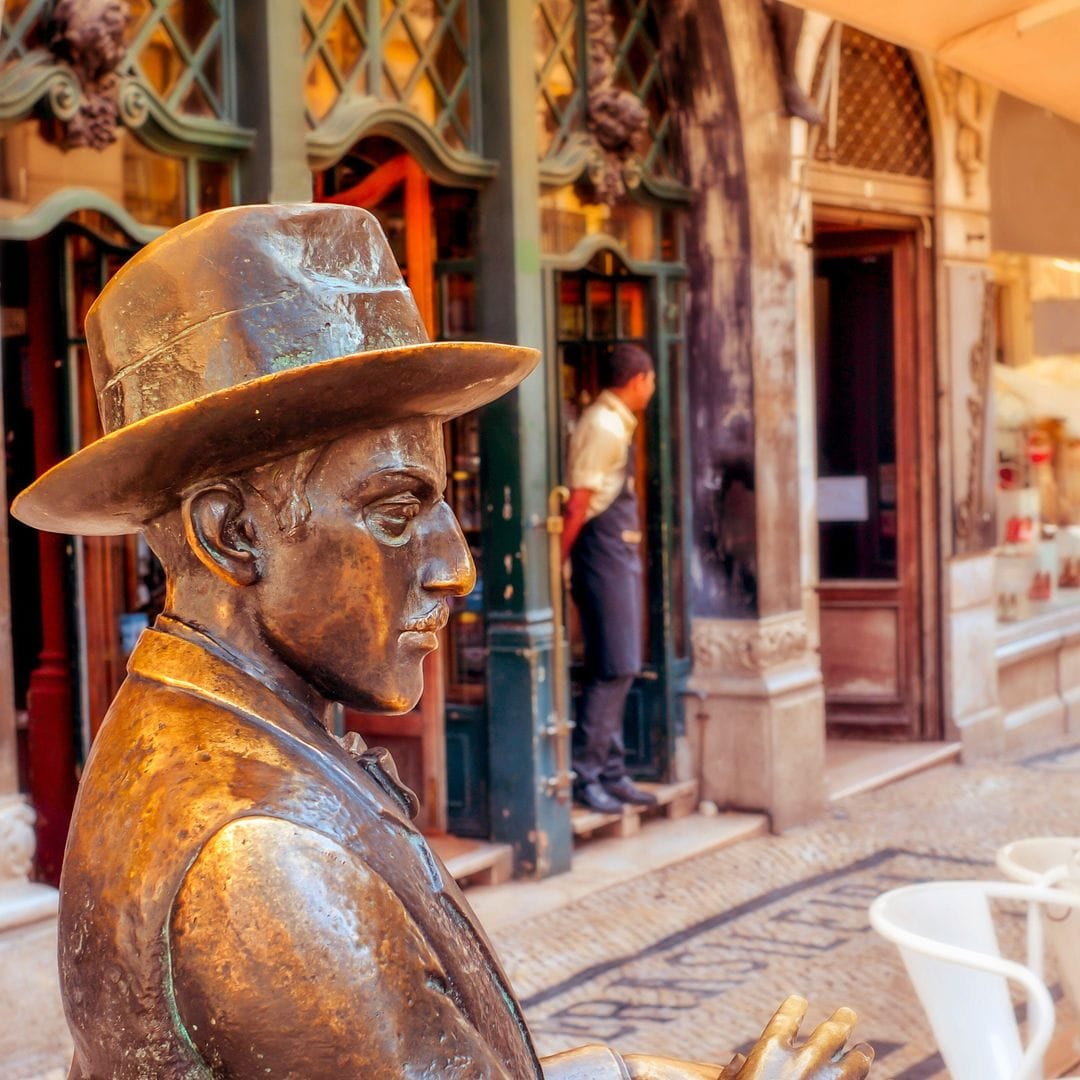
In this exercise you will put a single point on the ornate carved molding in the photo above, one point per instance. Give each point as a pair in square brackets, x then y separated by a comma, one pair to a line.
[363, 116]
[616, 118]
[48, 213]
[749, 647]
[88, 36]
[84, 89]
[963, 98]
[37, 77]
[16, 838]
[970, 514]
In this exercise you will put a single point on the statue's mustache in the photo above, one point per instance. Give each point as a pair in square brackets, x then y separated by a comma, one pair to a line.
[431, 621]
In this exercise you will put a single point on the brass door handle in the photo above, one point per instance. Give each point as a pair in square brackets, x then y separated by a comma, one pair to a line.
[558, 730]
[558, 497]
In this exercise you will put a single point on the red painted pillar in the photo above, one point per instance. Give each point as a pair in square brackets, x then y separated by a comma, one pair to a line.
[51, 735]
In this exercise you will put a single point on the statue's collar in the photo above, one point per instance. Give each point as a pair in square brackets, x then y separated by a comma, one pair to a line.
[177, 652]
[178, 655]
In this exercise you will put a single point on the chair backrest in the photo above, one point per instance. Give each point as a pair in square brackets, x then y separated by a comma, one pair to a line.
[946, 936]
[1052, 860]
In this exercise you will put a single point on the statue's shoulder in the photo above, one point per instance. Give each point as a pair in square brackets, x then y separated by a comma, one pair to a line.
[306, 932]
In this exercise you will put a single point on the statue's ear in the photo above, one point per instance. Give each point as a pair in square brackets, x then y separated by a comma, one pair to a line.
[220, 530]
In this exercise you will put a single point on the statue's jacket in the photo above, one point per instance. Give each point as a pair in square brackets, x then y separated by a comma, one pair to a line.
[242, 898]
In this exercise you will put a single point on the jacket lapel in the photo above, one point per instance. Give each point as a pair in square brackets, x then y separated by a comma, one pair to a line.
[367, 781]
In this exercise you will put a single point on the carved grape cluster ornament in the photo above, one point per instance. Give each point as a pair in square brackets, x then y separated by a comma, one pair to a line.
[88, 36]
[616, 118]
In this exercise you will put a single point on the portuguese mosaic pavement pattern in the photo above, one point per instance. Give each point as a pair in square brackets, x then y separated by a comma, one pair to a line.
[692, 960]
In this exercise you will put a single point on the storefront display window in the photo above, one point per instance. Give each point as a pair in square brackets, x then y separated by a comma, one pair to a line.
[156, 189]
[1036, 385]
[646, 234]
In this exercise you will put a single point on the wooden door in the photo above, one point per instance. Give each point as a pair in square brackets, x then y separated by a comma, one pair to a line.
[875, 484]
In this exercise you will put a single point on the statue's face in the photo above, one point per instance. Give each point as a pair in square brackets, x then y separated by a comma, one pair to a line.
[354, 602]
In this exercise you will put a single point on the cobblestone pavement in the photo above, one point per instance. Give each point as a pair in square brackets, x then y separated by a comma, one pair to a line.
[692, 960]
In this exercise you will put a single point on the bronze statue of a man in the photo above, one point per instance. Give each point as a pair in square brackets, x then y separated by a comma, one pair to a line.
[243, 896]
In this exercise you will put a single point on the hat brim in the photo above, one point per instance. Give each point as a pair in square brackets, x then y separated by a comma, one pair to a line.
[126, 478]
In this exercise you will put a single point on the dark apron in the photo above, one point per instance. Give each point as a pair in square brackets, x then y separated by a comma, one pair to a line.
[606, 584]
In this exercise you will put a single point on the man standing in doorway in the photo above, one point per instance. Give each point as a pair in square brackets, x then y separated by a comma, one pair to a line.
[602, 538]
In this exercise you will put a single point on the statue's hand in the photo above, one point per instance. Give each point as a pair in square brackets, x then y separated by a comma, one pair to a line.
[822, 1057]
[649, 1067]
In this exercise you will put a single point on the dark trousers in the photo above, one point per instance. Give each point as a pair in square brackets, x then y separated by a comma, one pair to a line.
[599, 753]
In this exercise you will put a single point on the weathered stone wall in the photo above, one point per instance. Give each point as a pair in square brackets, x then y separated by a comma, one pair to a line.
[762, 744]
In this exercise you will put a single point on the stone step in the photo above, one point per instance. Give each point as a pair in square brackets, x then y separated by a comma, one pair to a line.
[673, 801]
[474, 862]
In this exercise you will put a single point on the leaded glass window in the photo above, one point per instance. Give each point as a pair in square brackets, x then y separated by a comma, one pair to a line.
[21, 29]
[560, 98]
[881, 118]
[335, 43]
[418, 54]
[637, 67]
[560, 50]
[179, 49]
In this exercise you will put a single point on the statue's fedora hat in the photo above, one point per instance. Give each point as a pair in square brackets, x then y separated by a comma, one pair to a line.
[245, 335]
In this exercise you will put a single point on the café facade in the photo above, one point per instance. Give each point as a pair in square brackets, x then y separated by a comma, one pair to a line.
[820, 466]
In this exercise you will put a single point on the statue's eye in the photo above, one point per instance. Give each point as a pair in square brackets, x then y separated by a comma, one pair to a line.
[389, 518]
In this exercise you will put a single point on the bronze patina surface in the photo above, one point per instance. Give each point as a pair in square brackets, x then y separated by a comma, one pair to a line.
[243, 896]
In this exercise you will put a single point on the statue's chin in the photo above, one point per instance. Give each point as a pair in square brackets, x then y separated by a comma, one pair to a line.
[391, 703]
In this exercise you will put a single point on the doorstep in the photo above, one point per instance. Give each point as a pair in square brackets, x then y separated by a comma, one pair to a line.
[673, 801]
[473, 862]
[856, 765]
[611, 860]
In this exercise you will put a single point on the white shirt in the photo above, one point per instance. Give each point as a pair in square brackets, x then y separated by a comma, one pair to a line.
[599, 447]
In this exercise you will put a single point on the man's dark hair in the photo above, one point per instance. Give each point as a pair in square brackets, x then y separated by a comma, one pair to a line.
[624, 363]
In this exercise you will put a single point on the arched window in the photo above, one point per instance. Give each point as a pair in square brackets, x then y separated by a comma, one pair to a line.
[881, 121]
[418, 55]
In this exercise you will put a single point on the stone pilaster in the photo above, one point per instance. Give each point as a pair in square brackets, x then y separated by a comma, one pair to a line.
[761, 742]
[964, 111]
[34, 1035]
[972, 708]
[271, 77]
[760, 732]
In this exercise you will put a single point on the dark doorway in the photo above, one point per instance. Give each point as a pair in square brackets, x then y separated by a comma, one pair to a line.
[872, 441]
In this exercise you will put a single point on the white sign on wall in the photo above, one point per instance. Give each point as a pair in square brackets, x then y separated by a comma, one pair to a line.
[842, 498]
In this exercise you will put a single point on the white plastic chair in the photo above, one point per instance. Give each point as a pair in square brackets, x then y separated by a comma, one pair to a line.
[1052, 860]
[945, 933]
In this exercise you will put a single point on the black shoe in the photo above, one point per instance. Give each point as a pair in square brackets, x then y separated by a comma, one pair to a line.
[625, 790]
[596, 798]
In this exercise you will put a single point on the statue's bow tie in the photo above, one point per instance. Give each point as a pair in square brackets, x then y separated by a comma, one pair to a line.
[379, 765]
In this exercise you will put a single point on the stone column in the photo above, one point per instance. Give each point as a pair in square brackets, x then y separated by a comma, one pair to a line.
[270, 77]
[762, 744]
[965, 111]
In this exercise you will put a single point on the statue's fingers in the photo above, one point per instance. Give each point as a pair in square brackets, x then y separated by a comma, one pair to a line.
[784, 1025]
[855, 1064]
[827, 1041]
[832, 1035]
[731, 1070]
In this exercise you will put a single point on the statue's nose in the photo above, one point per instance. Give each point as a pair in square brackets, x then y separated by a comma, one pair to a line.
[448, 566]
